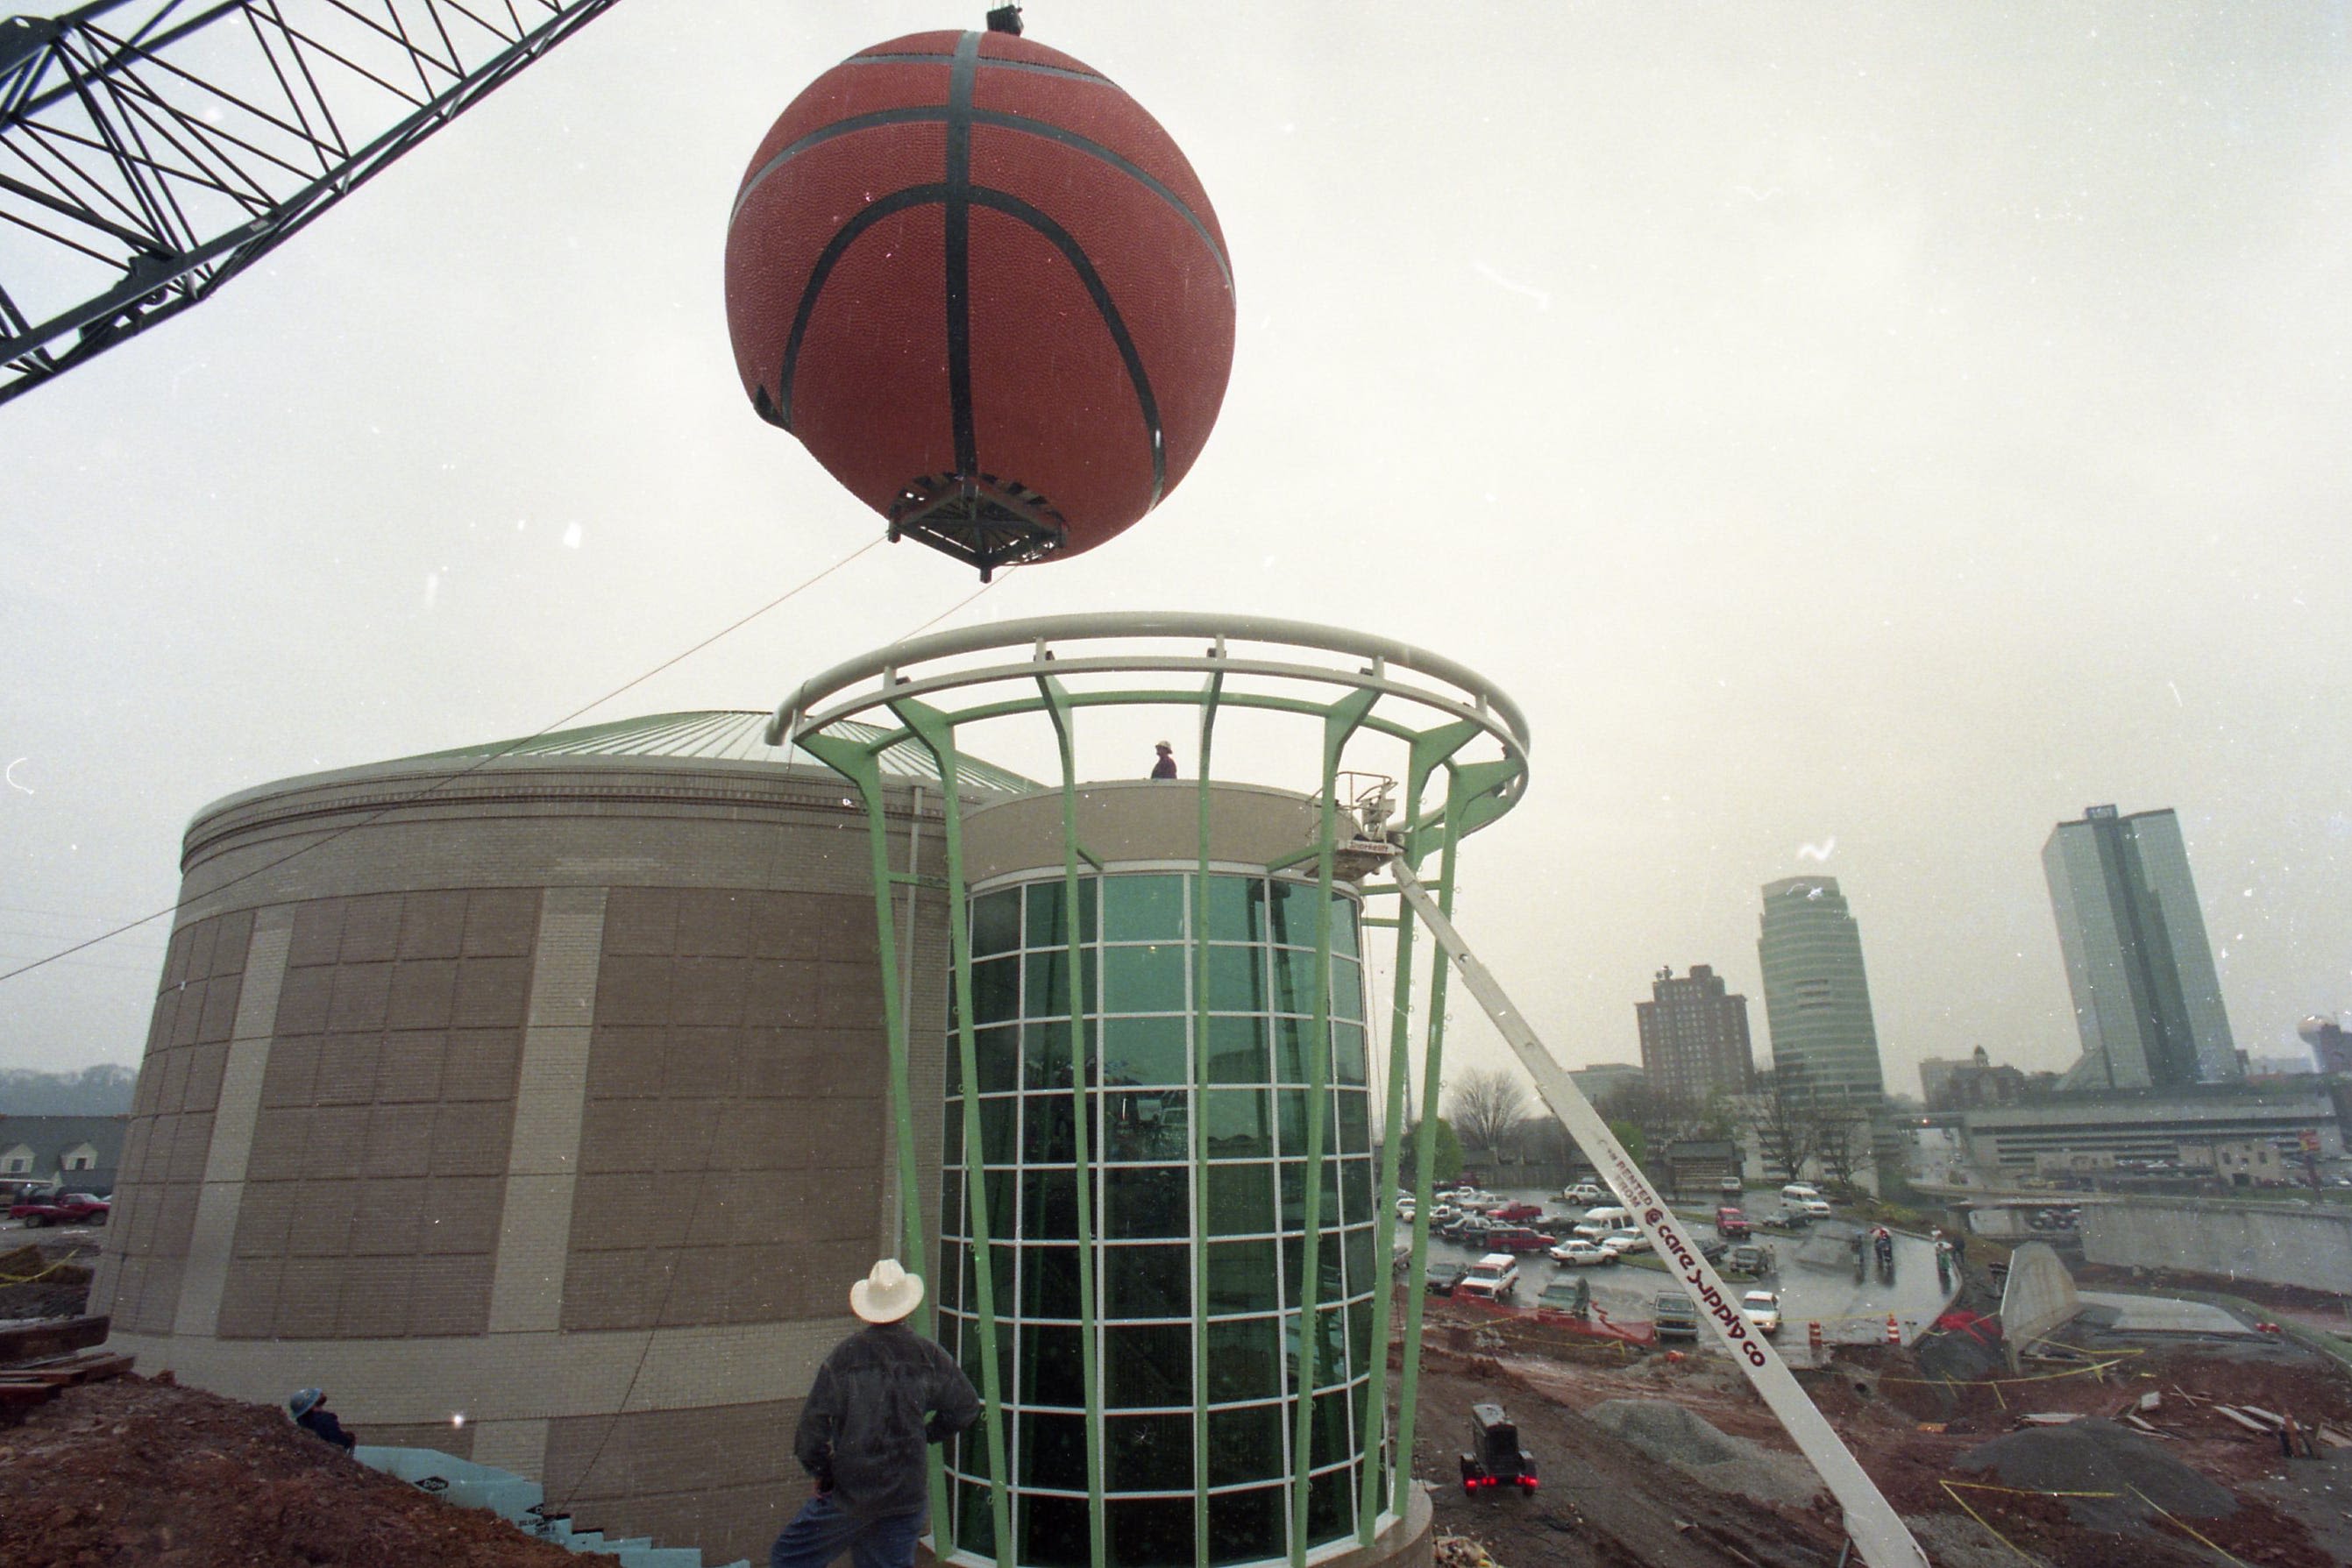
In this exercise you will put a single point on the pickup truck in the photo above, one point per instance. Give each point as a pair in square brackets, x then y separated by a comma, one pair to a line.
[1674, 1316]
[53, 1208]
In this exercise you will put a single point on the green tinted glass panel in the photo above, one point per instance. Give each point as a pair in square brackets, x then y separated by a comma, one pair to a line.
[1236, 909]
[1143, 908]
[1049, 1281]
[1329, 1441]
[999, 1128]
[974, 1532]
[1244, 1444]
[1293, 921]
[1148, 1453]
[1347, 994]
[1045, 1052]
[1145, 1050]
[951, 1221]
[1332, 1504]
[1294, 980]
[996, 922]
[1356, 1188]
[1046, 907]
[1149, 1365]
[1290, 1038]
[1049, 983]
[996, 990]
[1246, 1525]
[1144, 979]
[1141, 1201]
[1152, 1531]
[1237, 1051]
[1242, 1276]
[1236, 979]
[1240, 1199]
[1052, 1532]
[1049, 1130]
[998, 1051]
[1244, 1358]
[1343, 925]
[1049, 1205]
[1346, 1053]
[1143, 1125]
[1052, 1371]
[1355, 1120]
[1236, 1124]
[1148, 1281]
[1053, 1450]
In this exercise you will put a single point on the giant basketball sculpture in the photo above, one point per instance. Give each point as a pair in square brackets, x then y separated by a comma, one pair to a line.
[985, 289]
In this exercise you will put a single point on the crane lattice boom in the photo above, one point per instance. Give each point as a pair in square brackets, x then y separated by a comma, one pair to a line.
[150, 150]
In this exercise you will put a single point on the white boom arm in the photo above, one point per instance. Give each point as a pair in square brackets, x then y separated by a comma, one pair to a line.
[1876, 1529]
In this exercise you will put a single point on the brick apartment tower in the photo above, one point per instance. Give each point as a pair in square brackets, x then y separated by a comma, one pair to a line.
[546, 1086]
[1694, 1041]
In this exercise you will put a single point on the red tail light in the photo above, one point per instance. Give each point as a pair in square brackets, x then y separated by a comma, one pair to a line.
[1529, 1482]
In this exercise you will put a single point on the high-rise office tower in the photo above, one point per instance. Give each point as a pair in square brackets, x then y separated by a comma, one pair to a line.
[1816, 997]
[2146, 1001]
[1695, 1037]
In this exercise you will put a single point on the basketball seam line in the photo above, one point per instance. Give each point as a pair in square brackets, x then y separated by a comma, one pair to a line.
[957, 254]
[1002, 121]
[1038, 68]
[1053, 233]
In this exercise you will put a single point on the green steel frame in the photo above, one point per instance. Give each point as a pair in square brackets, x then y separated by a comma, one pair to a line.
[1027, 667]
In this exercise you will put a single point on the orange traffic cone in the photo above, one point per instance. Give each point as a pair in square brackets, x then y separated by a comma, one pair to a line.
[1894, 1333]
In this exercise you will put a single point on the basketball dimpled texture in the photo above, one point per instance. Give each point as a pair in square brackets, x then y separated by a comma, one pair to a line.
[968, 254]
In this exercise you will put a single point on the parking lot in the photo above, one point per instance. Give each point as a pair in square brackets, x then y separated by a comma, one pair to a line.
[1849, 1312]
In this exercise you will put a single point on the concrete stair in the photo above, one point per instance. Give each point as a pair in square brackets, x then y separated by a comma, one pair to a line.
[519, 1500]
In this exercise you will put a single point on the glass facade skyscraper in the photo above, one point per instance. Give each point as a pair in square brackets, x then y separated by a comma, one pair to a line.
[2147, 1003]
[1816, 996]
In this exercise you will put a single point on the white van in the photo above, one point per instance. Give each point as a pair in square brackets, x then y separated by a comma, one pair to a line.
[1608, 1217]
[1798, 1192]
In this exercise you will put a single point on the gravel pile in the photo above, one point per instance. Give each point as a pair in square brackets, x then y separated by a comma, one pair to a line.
[2098, 1457]
[1674, 1436]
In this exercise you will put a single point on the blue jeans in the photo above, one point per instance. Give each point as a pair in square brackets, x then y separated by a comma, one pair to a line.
[825, 1530]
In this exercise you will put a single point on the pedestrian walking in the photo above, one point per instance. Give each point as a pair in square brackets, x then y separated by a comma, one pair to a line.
[881, 1398]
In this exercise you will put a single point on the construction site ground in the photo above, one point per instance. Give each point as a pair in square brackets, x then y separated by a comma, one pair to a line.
[134, 1471]
[1670, 1459]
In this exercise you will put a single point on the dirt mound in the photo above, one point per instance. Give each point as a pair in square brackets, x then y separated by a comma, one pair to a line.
[141, 1472]
[34, 1284]
[1676, 1436]
[2116, 1477]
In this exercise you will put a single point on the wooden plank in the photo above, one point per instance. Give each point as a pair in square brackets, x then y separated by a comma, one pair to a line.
[2242, 1419]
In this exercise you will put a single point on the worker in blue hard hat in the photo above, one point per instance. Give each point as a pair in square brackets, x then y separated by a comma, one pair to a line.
[309, 1411]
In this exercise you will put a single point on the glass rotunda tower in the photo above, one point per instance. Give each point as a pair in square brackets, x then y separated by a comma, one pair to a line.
[1156, 1088]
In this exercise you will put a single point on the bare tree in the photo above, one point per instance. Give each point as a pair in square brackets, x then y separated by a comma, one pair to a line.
[1485, 1106]
[1788, 1131]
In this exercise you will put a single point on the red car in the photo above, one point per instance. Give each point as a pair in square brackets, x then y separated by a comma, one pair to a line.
[1731, 1224]
[1516, 1239]
[1518, 1213]
[39, 1209]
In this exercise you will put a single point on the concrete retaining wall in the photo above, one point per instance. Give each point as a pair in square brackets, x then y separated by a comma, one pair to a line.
[2280, 1243]
[2037, 1298]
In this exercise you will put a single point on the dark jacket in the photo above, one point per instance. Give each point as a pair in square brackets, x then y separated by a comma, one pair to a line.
[862, 1428]
[319, 1422]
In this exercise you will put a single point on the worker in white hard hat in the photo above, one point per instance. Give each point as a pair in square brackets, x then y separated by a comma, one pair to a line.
[881, 1398]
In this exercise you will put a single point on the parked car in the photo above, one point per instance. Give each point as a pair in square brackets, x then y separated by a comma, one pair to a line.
[1798, 1192]
[1443, 1278]
[1442, 1215]
[1732, 1187]
[1713, 1248]
[1731, 1224]
[1580, 1254]
[1762, 1309]
[1518, 1213]
[1674, 1316]
[1750, 1260]
[1572, 1297]
[1623, 1242]
[1584, 1195]
[1495, 1277]
[56, 1207]
[1515, 1239]
[1496, 1459]
[1816, 1208]
[1614, 1216]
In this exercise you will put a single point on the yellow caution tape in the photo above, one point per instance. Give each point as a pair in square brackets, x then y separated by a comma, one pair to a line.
[2170, 1520]
[1981, 1519]
[28, 1279]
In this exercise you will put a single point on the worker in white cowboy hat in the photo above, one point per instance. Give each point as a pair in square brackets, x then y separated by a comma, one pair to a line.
[1166, 766]
[883, 1395]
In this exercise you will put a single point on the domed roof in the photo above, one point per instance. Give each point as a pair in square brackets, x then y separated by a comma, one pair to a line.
[729, 735]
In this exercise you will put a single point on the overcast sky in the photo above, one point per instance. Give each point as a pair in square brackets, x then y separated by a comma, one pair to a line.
[1882, 429]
